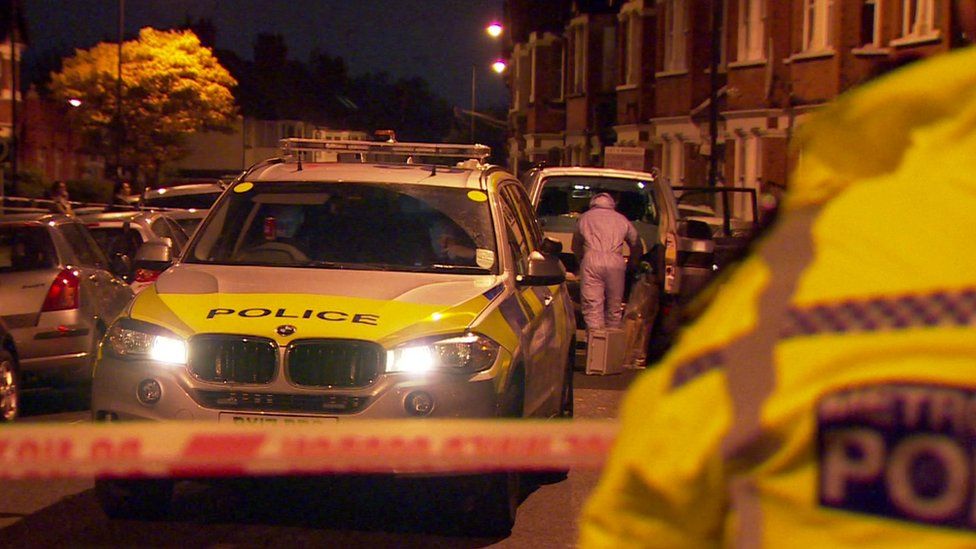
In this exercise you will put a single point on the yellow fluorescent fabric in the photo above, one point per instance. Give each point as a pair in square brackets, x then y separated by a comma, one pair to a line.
[892, 166]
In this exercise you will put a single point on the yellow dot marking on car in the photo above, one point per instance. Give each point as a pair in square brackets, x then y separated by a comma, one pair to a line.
[243, 187]
[477, 196]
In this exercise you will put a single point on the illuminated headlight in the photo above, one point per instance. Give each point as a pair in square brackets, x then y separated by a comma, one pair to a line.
[140, 340]
[468, 353]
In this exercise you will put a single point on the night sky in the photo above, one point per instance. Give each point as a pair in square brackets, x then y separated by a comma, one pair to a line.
[438, 40]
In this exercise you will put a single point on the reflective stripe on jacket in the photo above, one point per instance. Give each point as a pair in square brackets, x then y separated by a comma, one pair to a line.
[827, 396]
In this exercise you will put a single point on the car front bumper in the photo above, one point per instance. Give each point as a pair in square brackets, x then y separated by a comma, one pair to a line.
[182, 396]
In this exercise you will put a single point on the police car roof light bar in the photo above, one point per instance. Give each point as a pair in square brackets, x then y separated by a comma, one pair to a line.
[292, 145]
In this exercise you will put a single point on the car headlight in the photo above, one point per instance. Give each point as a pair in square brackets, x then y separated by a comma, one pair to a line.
[134, 339]
[464, 354]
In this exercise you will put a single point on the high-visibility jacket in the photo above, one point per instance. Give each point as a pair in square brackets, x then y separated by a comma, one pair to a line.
[826, 397]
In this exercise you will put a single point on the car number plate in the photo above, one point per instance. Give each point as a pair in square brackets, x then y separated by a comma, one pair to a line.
[273, 419]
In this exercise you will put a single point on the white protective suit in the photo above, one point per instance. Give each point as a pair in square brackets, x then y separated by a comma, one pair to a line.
[599, 244]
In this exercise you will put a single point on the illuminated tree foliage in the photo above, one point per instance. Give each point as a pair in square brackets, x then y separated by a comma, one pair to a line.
[171, 87]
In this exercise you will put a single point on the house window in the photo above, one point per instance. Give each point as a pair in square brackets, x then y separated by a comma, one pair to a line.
[534, 67]
[577, 65]
[751, 30]
[816, 24]
[608, 65]
[630, 36]
[918, 18]
[558, 60]
[870, 23]
[675, 13]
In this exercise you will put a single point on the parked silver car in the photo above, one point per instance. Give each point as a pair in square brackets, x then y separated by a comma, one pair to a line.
[57, 296]
[121, 234]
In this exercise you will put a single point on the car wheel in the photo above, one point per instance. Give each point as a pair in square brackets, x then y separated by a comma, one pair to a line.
[491, 510]
[134, 499]
[9, 387]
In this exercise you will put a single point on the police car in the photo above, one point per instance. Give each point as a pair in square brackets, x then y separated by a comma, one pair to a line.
[332, 290]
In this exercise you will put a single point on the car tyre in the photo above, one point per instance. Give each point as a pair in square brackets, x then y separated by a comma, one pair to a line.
[134, 498]
[492, 509]
[9, 387]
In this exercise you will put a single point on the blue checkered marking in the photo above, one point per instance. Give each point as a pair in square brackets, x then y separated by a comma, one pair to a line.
[943, 308]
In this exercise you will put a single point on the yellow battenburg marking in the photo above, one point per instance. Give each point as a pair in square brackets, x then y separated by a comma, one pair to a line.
[243, 187]
[477, 196]
[385, 322]
[148, 307]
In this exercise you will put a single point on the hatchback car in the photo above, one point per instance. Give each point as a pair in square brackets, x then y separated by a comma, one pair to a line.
[681, 254]
[336, 291]
[121, 234]
[57, 296]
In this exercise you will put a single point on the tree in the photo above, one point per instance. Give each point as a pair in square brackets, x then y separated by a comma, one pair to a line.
[171, 87]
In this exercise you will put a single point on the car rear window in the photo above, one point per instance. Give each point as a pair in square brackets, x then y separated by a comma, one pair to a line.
[570, 195]
[26, 248]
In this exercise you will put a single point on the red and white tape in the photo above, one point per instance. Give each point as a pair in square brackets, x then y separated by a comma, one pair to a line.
[187, 449]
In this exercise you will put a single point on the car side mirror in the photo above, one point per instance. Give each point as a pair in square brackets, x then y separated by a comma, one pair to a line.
[543, 270]
[155, 255]
[551, 246]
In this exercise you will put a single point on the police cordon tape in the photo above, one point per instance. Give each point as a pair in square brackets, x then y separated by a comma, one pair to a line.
[203, 449]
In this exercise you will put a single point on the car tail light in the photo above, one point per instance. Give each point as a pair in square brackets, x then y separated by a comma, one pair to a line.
[63, 294]
[146, 275]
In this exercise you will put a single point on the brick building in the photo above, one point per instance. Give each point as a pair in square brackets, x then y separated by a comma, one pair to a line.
[636, 75]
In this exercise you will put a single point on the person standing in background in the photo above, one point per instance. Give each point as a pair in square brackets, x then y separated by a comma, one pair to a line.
[60, 201]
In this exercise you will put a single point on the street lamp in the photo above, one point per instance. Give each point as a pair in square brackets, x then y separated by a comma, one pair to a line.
[74, 102]
[494, 30]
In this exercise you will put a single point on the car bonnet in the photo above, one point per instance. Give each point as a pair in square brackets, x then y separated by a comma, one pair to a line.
[380, 306]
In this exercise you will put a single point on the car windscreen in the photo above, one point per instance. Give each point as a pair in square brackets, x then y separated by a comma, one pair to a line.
[116, 240]
[570, 196]
[350, 226]
[26, 248]
[200, 201]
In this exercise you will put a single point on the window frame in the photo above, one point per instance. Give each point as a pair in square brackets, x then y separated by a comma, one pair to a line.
[816, 35]
[751, 31]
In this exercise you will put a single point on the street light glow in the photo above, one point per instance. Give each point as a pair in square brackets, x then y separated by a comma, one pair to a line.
[499, 66]
[494, 30]
[74, 102]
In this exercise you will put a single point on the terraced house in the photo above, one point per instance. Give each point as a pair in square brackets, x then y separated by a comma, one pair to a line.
[706, 91]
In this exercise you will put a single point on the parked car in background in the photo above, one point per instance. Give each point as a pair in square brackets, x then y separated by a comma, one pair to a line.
[681, 253]
[189, 219]
[57, 296]
[121, 234]
[9, 376]
[198, 196]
